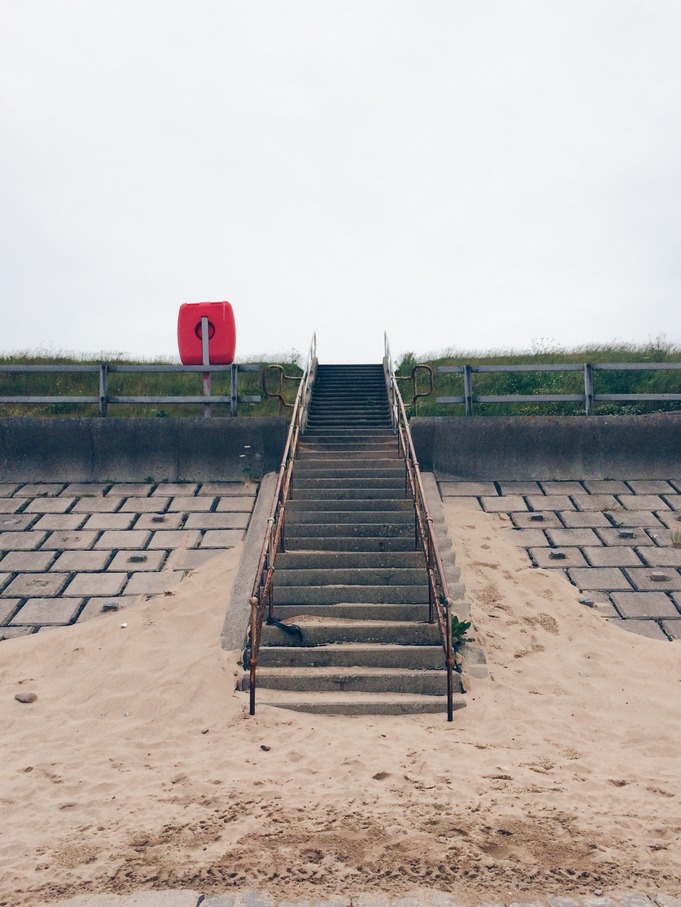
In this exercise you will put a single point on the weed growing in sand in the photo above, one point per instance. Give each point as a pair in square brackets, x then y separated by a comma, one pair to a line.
[459, 630]
[676, 538]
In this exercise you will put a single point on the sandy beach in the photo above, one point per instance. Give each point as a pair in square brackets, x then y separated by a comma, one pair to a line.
[138, 767]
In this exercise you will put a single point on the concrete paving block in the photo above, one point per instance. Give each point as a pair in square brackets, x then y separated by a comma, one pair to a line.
[672, 520]
[49, 505]
[220, 900]
[217, 521]
[500, 504]
[468, 489]
[75, 561]
[221, 538]
[650, 579]
[550, 502]
[87, 584]
[606, 486]
[82, 539]
[508, 488]
[562, 902]
[595, 578]
[623, 536]
[617, 556]
[175, 538]
[183, 898]
[672, 627]
[42, 585]
[665, 900]
[156, 521]
[219, 489]
[558, 557]
[650, 486]
[541, 520]
[644, 604]
[562, 486]
[634, 518]
[569, 538]
[124, 538]
[17, 522]
[528, 538]
[642, 502]
[673, 501]
[7, 608]
[588, 519]
[4, 577]
[97, 607]
[153, 583]
[21, 541]
[463, 504]
[11, 505]
[187, 504]
[60, 521]
[599, 902]
[27, 561]
[652, 556]
[107, 504]
[676, 598]
[235, 505]
[39, 489]
[595, 502]
[145, 505]
[7, 489]
[171, 488]
[47, 611]
[660, 536]
[635, 900]
[191, 559]
[648, 628]
[14, 632]
[90, 489]
[130, 489]
[129, 561]
[110, 521]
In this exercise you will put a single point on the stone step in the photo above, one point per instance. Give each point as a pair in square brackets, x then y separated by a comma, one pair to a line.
[343, 576]
[357, 703]
[352, 680]
[407, 593]
[312, 506]
[336, 560]
[349, 543]
[320, 631]
[348, 655]
[355, 611]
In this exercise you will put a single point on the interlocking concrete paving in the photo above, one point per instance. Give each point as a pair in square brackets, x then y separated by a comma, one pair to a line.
[69, 550]
[618, 541]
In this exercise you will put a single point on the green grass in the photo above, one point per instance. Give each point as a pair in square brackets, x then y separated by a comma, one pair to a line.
[130, 384]
[614, 382]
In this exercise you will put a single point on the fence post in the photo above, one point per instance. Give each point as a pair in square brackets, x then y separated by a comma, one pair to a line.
[468, 389]
[103, 388]
[233, 389]
[588, 389]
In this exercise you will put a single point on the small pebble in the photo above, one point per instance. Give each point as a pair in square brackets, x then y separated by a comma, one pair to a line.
[264, 746]
[658, 577]
[26, 697]
[205, 730]
[123, 626]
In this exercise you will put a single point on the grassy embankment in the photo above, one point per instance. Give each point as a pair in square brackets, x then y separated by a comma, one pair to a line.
[168, 384]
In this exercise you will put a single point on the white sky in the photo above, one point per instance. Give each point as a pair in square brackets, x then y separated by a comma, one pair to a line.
[478, 174]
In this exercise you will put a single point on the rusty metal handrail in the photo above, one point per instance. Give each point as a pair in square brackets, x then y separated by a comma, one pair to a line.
[262, 598]
[440, 604]
[416, 396]
[283, 377]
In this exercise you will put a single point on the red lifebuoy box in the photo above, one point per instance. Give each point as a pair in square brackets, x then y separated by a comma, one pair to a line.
[221, 333]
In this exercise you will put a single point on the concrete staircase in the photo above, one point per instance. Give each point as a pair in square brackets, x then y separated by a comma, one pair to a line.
[350, 577]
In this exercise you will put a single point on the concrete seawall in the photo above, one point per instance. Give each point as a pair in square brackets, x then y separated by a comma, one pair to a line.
[553, 447]
[133, 450]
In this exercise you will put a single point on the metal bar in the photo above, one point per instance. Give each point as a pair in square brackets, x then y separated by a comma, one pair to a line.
[468, 390]
[103, 388]
[233, 390]
[567, 367]
[49, 368]
[25, 398]
[531, 398]
[205, 360]
[637, 366]
[634, 397]
[222, 398]
[588, 390]
[450, 399]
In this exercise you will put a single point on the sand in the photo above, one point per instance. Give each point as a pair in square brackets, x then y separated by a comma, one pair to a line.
[137, 767]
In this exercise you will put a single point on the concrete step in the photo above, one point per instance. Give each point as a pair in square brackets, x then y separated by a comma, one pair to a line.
[354, 611]
[398, 517]
[352, 680]
[348, 655]
[355, 434]
[348, 543]
[394, 481]
[306, 471]
[321, 631]
[347, 495]
[320, 530]
[343, 576]
[409, 593]
[357, 703]
[385, 505]
[335, 560]
[335, 455]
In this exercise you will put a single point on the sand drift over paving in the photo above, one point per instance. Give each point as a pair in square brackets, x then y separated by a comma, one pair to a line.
[137, 768]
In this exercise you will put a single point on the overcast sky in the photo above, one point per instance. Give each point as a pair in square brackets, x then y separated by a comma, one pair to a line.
[475, 175]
